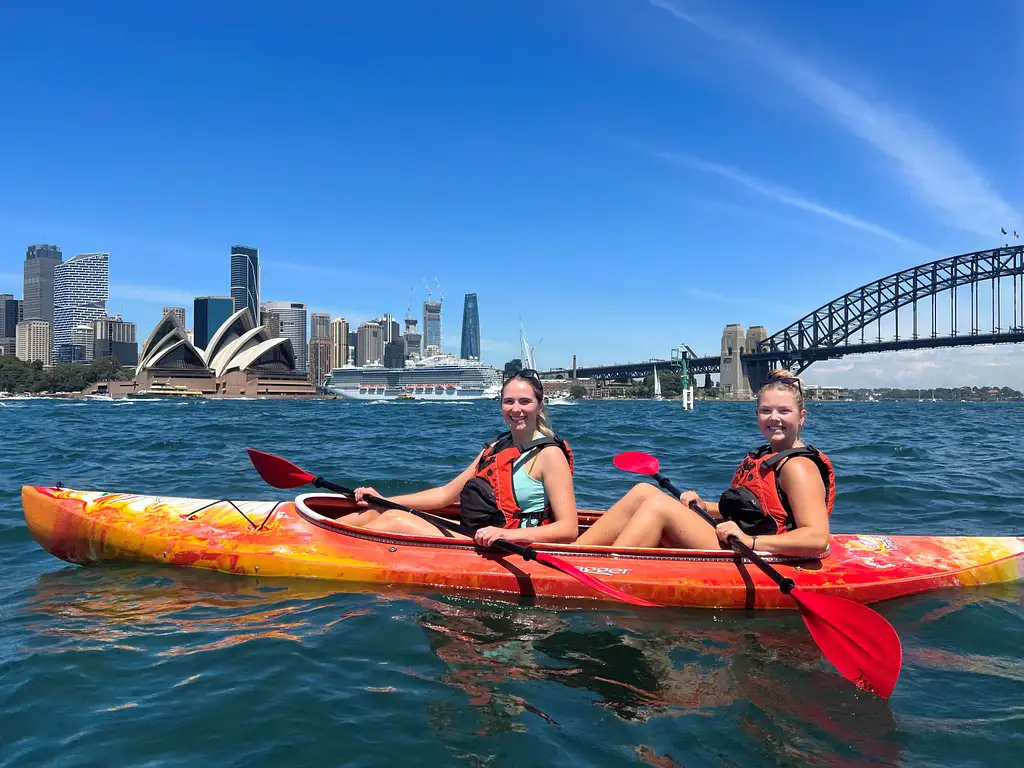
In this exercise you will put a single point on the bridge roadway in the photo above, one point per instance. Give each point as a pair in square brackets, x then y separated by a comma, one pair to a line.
[825, 333]
[706, 365]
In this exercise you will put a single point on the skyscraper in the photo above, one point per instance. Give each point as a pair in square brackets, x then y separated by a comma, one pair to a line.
[389, 328]
[371, 343]
[293, 326]
[116, 338]
[208, 314]
[413, 339]
[40, 261]
[179, 312]
[34, 341]
[319, 325]
[81, 287]
[431, 328]
[245, 282]
[319, 347]
[471, 328]
[10, 315]
[339, 342]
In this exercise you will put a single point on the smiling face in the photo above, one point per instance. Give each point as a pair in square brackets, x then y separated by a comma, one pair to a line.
[519, 408]
[779, 416]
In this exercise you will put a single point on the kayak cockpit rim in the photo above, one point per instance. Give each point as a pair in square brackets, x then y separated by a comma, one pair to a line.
[313, 506]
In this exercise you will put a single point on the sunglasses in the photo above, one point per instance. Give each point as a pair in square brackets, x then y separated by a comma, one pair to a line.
[526, 373]
[791, 380]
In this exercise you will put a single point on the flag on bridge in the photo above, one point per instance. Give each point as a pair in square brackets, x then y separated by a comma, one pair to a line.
[1015, 235]
[1002, 230]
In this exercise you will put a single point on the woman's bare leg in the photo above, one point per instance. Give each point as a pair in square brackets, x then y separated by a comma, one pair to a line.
[360, 519]
[396, 521]
[663, 519]
[610, 524]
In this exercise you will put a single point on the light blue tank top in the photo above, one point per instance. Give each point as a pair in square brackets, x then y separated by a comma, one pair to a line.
[530, 493]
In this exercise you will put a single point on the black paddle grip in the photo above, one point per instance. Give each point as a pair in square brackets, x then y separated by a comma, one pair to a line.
[516, 549]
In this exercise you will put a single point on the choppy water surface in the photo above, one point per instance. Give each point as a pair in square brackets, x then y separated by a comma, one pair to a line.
[162, 667]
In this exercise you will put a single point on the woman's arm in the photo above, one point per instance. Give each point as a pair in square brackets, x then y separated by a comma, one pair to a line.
[432, 498]
[801, 481]
[557, 479]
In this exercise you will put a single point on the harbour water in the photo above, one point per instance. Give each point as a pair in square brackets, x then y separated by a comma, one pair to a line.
[167, 667]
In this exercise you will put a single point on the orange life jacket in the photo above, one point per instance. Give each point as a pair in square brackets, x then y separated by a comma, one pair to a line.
[489, 498]
[759, 474]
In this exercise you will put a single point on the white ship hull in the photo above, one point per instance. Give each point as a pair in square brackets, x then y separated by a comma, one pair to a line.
[441, 378]
[384, 393]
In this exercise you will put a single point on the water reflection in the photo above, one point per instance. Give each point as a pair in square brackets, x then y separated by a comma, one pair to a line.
[642, 666]
[76, 610]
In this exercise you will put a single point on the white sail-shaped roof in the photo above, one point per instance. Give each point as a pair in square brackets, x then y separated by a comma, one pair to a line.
[168, 330]
[234, 348]
[279, 347]
[236, 325]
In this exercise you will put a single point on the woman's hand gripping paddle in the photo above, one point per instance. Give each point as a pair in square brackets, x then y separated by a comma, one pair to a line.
[281, 473]
[859, 642]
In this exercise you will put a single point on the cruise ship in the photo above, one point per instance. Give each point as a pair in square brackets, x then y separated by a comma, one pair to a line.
[440, 377]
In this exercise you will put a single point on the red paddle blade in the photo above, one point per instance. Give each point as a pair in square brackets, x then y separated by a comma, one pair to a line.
[560, 565]
[636, 461]
[859, 642]
[278, 472]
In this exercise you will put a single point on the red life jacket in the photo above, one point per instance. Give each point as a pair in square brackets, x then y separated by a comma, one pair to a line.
[489, 498]
[759, 474]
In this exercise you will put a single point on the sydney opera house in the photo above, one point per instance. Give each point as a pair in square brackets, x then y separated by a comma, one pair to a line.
[241, 360]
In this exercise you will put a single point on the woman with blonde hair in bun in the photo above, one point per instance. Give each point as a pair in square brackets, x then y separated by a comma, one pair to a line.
[780, 499]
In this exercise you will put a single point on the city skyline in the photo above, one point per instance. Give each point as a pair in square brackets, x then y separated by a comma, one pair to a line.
[659, 159]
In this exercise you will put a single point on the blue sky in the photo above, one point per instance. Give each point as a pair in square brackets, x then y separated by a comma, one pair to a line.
[624, 175]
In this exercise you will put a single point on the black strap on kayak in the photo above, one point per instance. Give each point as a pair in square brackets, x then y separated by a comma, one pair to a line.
[191, 515]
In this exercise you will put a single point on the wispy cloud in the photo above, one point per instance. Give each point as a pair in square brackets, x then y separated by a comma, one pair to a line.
[153, 294]
[780, 194]
[930, 166]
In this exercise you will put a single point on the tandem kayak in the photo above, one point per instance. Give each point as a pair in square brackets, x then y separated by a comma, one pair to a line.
[301, 538]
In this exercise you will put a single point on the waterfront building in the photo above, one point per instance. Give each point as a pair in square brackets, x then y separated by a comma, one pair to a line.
[339, 342]
[353, 347]
[292, 315]
[11, 313]
[37, 293]
[34, 341]
[245, 279]
[83, 341]
[116, 338]
[431, 328]
[470, 328]
[81, 287]
[370, 344]
[8, 346]
[241, 359]
[208, 314]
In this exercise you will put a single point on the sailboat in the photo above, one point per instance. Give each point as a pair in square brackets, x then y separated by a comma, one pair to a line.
[657, 385]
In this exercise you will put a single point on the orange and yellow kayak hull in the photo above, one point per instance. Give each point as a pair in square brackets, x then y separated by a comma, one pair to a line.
[301, 539]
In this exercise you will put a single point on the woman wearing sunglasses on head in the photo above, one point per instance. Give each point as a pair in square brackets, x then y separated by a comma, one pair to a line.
[780, 500]
[518, 488]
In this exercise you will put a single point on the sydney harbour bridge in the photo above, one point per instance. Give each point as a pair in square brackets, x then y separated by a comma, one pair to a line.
[966, 300]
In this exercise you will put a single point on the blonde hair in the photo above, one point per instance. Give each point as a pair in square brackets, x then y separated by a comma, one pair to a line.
[783, 380]
[543, 422]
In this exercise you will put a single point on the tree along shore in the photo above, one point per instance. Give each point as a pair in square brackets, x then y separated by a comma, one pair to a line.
[19, 377]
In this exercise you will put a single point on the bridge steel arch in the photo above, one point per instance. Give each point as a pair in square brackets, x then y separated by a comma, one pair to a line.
[825, 333]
